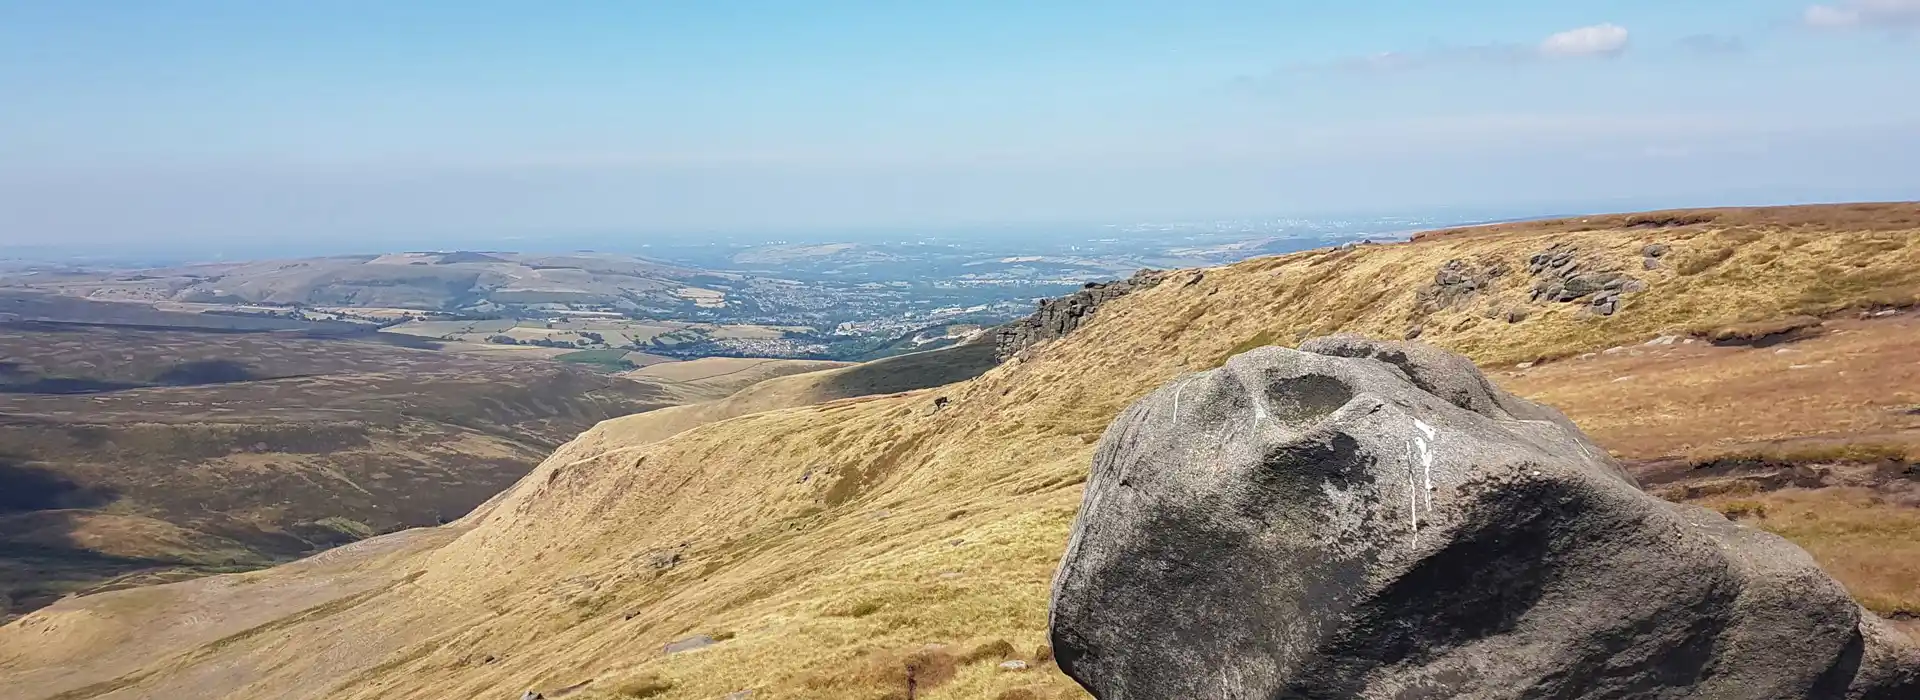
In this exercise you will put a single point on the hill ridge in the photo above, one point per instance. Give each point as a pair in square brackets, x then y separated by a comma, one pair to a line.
[823, 547]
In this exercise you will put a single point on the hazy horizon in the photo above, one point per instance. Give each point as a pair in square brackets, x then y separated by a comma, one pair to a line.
[216, 125]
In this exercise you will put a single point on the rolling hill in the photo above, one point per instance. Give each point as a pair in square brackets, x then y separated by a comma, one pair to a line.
[135, 454]
[822, 551]
[418, 281]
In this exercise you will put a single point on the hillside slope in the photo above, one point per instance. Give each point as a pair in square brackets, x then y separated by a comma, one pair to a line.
[820, 552]
[402, 280]
[713, 378]
[134, 455]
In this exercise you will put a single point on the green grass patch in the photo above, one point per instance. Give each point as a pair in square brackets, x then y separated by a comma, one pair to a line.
[610, 358]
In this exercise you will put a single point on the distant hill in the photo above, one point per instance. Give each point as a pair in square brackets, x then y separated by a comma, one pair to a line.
[132, 454]
[1755, 362]
[417, 281]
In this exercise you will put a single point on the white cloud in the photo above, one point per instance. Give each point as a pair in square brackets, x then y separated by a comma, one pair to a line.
[1888, 14]
[1600, 40]
[1597, 40]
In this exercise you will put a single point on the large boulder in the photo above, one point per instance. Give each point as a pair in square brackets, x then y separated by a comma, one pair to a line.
[1377, 520]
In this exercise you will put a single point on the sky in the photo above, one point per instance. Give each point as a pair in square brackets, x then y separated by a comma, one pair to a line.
[156, 120]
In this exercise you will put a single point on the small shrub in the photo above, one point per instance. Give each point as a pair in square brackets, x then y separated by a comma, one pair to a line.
[854, 609]
[643, 687]
[1016, 694]
[723, 636]
[1758, 331]
[894, 675]
[1735, 510]
[1043, 655]
[1696, 264]
[1259, 340]
[996, 650]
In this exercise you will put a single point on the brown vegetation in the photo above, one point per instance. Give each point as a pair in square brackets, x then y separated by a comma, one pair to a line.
[783, 518]
[131, 455]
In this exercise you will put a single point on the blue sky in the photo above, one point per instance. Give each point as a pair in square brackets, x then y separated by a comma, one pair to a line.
[133, 120]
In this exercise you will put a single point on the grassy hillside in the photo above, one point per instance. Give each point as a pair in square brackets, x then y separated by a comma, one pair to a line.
[132, 455]
[829, 551]
[713, 378]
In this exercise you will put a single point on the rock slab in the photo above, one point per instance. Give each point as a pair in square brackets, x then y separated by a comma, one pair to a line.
[1365, 519]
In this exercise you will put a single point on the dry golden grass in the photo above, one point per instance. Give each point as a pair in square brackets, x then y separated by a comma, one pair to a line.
[713, 378]
[1871, 546]
[1690, 413]
[1857, 383]
[644, 687]
[941, 529]
[1817, 453]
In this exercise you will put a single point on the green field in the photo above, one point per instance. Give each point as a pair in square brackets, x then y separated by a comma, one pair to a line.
[610, 358]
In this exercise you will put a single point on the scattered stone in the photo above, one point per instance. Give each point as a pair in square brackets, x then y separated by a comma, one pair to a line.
[739, 695]
[1455, 285]
[530, 695]
[1365, 519]
[1457, 282]
[1883, 313]
[1558, 278]
[1014, 665]
[1664, 340]
[688, 644]
[661, 561]
[1786, 351]
[1559, 256]
[1517, 314]
[1524, 365]
[1617, 380]
[957, 542]
[1587, 356]
[1415, 330]
[1651, 263]
[950, 575]
[1613, 350]
[1799, 366]
[1655, 250]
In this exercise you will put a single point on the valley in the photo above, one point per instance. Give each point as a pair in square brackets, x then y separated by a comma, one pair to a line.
[823, 534]
[137, 454]
[844, 301]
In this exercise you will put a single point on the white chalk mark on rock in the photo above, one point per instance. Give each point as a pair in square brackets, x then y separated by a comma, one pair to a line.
[1413, 505]
[1421, 450]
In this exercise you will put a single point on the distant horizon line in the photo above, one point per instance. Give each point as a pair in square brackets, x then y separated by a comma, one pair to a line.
[576, 241]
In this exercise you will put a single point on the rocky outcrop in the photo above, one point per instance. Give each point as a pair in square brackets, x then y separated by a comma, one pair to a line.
[1058, 316]
[1376, 520]
[1455, 285]
[1560, 276]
